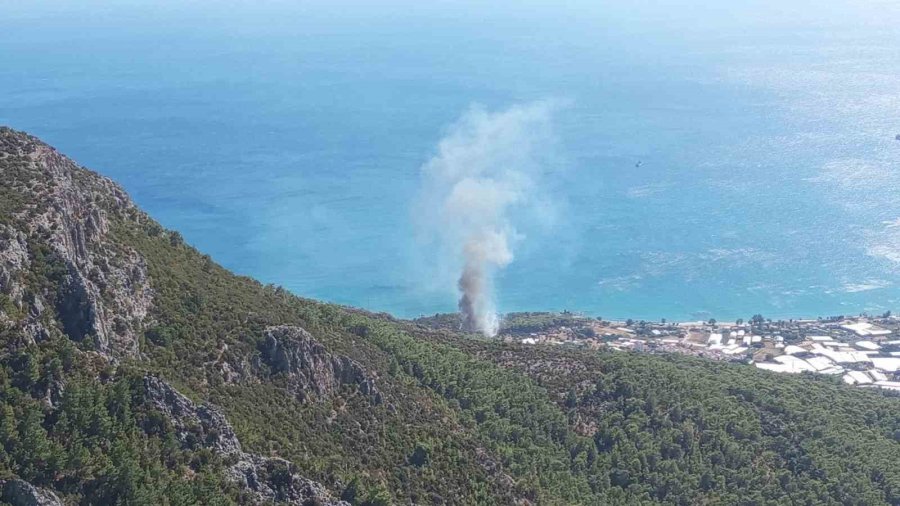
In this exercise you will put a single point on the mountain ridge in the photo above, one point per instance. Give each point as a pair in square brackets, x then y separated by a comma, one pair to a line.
[104, 314]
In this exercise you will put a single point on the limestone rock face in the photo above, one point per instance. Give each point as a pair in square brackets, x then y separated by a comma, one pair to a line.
[310, 369]
[63, 272]
[21, 493]
[13, 259]
[63, 223]
[204, 426]
[197, 425]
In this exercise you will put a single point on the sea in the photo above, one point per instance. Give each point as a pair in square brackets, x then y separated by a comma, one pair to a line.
[712, 159]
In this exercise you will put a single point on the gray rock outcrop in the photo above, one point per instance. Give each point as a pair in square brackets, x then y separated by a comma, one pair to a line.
[204, 426]
[64, 222]
[310, 369]
[21, 493]
[65, 272]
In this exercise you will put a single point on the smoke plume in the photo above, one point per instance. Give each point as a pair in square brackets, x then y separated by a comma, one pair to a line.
[484, 170]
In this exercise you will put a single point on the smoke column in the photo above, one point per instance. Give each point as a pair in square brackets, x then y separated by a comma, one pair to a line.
[485, 168]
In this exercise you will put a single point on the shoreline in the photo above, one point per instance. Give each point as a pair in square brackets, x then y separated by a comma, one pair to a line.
[862, 350]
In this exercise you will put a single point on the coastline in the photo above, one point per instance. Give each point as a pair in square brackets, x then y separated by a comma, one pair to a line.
[861, 350]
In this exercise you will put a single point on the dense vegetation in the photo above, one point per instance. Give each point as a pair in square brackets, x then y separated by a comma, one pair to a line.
[203, 309]
[465, 420]
[70, 422]
[99, 443]
[567, 426]
[684, 430]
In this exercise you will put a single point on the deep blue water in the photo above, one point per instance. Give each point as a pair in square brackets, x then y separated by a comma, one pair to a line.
[287, 140]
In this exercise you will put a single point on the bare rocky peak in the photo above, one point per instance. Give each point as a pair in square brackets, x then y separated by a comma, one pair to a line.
[105, 294]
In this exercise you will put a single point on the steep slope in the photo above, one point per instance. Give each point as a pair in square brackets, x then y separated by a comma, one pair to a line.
[135, 369]
[96, 296]
[73, 304]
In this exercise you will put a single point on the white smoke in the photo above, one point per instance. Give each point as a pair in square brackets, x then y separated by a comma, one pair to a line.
[486, 166]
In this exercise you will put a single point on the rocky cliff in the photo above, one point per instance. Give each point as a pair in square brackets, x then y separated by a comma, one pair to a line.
[63, 276]
[56, 228]
[22, 493]
[204, 426]
[310, 370]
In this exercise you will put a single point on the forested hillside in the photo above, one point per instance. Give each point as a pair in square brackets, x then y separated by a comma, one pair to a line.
[135, 370]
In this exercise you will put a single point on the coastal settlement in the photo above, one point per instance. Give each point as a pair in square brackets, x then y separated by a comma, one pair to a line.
[861, 350]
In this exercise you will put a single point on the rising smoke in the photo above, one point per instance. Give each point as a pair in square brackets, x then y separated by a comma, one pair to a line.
[485, 168]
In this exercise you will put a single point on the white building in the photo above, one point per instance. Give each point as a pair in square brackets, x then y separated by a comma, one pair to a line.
[795, 364]
[867, 345]
[820, 363]
[865, 329]
[774, 367]
[877, 375]
[886, 364]
[857, 378]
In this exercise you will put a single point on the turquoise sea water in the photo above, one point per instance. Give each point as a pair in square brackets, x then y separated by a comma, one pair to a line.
[286, 140]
